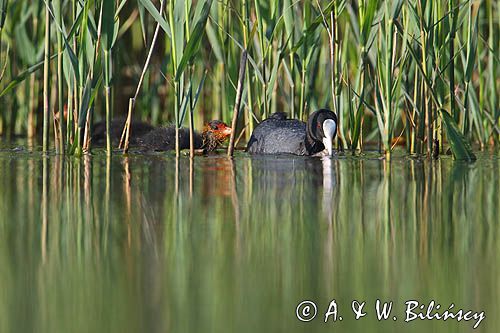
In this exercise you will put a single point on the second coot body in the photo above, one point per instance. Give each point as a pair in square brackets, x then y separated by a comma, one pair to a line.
[279, 135]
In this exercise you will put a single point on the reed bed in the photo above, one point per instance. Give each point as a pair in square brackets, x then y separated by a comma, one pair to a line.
[423, 74]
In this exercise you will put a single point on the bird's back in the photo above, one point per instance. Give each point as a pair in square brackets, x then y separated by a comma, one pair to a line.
[163, 139]
[137, 130]
[278, 136]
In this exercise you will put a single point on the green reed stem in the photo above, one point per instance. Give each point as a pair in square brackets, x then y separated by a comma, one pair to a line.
[107, 91]
[176, 82]
[453, 18]
[236, 110]
[46, 87]
[60, 92]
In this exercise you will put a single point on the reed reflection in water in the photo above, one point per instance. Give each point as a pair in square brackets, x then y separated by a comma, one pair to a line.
[151, 243]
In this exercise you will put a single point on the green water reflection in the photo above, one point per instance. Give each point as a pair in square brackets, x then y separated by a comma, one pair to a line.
[146, 243]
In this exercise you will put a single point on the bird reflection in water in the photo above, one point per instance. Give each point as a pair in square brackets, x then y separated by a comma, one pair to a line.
[329, 184]
[293, 180]
[219, 180]
[217, 177]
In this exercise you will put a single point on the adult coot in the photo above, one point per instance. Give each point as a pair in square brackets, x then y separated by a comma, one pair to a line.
[279, 135]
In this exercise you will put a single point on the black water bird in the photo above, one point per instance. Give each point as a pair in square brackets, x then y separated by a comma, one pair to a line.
[279, 135]
[148, 138]
[137, 129]
[213, 134]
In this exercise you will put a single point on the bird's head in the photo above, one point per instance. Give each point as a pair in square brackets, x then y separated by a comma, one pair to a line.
[215, 133]
[322, 127]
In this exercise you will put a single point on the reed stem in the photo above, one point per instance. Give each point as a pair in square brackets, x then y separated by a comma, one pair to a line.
[125, 138]
[239, 93]
[46, 86]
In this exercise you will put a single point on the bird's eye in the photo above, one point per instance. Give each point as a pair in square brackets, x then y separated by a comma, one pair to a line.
[214, 127]
[319, 125]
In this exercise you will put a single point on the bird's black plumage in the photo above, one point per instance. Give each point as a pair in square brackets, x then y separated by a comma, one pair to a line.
[279, 135]
[137, 130]
[149, 138]
[163, 139]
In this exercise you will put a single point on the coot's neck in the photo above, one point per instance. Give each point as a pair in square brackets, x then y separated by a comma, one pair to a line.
[209, 142]
[313, 145]
[206, 141]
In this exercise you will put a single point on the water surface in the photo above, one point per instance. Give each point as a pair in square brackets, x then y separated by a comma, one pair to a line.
[148, 243]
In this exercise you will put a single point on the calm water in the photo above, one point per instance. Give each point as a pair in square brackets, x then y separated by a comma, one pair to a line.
[147, 244]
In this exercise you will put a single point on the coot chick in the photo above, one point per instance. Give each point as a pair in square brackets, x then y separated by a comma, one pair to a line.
[137, 130]
[279, 135]
[161, 139]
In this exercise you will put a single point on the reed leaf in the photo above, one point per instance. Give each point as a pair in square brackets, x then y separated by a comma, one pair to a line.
[21, 77]
[318, 21]
[85, 103]
[156, 15]
[471, 52]
[108, 24]
[213, 38]
[142, 19]
[28, 51]
[3, 12]
[459, 145]
[67, 48]
[367, 11]
[194, 41]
